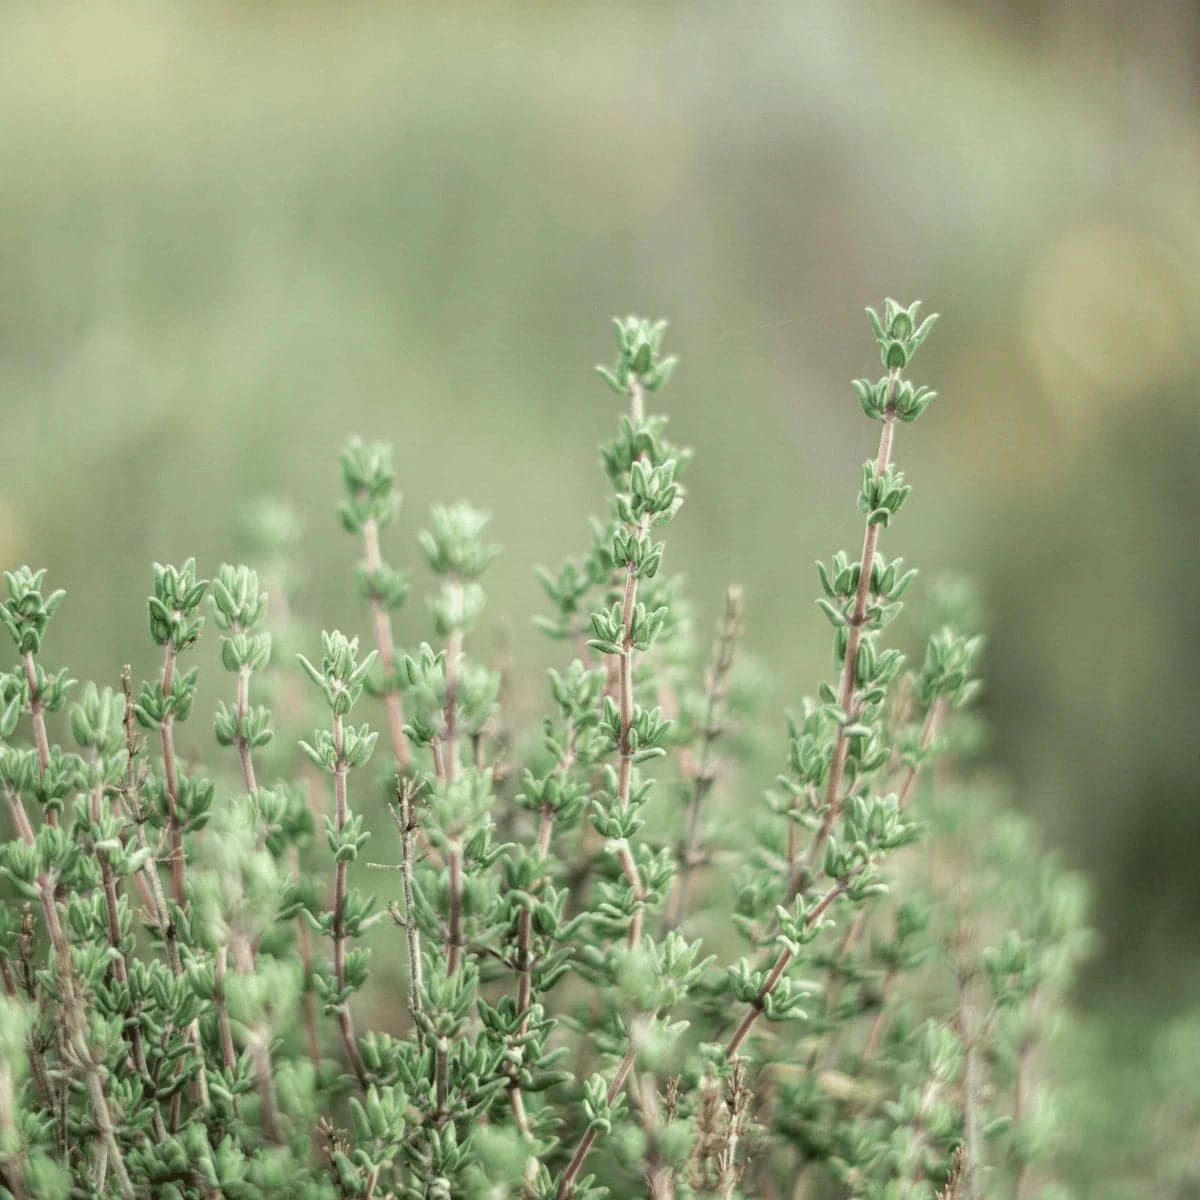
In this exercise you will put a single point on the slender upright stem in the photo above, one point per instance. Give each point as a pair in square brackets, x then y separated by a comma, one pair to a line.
[455, 938]
[259, 1049]
[408, 828]
[625, 749]
[855, 930]
[171, 773]
[120, 966]
[385, 644]
[74, 1020]
[249, 781]
[342, 815]
[454, 649]
[715, 692]
[304, 939]
[245, 952]
[12, 1170]
[228, 1053]
[637, 400]
[972, 1144]
[158, 907]
[1022, 1085]
[841, 745]
[928, 730]
[37, 713]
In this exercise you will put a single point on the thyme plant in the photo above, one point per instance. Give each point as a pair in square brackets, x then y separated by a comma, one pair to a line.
[598, 965]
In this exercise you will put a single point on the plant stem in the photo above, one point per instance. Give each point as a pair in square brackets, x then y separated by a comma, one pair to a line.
[342, 815]
[259, 1049]
[566, 1185]
[385, 644]
[879, 1023]
[972, 1144]
[724, 649]
[625, 749]
[454, 649]
[1021, 1089]
[855, 929]
[758, 1004]
[170, 771]
[625, 698]
[304, 939]
[120, 966]
[74, 1022]
[228, 1053]
[242, 744]
[455, 939]
[928, 729]
[857, 621]
[12, 1171]
[37, 713]
[406, 819]
[159, 910]
[545, 835]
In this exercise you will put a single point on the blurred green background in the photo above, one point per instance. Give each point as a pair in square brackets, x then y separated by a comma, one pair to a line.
[232, 234]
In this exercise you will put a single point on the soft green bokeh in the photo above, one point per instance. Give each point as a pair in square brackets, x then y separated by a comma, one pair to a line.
[231, 235]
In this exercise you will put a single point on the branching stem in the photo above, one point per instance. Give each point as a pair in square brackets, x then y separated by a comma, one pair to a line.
[758, 1004]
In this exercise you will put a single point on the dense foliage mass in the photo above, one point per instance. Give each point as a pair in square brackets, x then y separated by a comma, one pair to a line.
[616, 969]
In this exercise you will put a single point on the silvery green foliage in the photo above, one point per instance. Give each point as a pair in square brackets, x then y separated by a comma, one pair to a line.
[594, 966]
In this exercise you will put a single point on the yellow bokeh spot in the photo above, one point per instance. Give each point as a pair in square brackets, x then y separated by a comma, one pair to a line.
[1105, 319]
